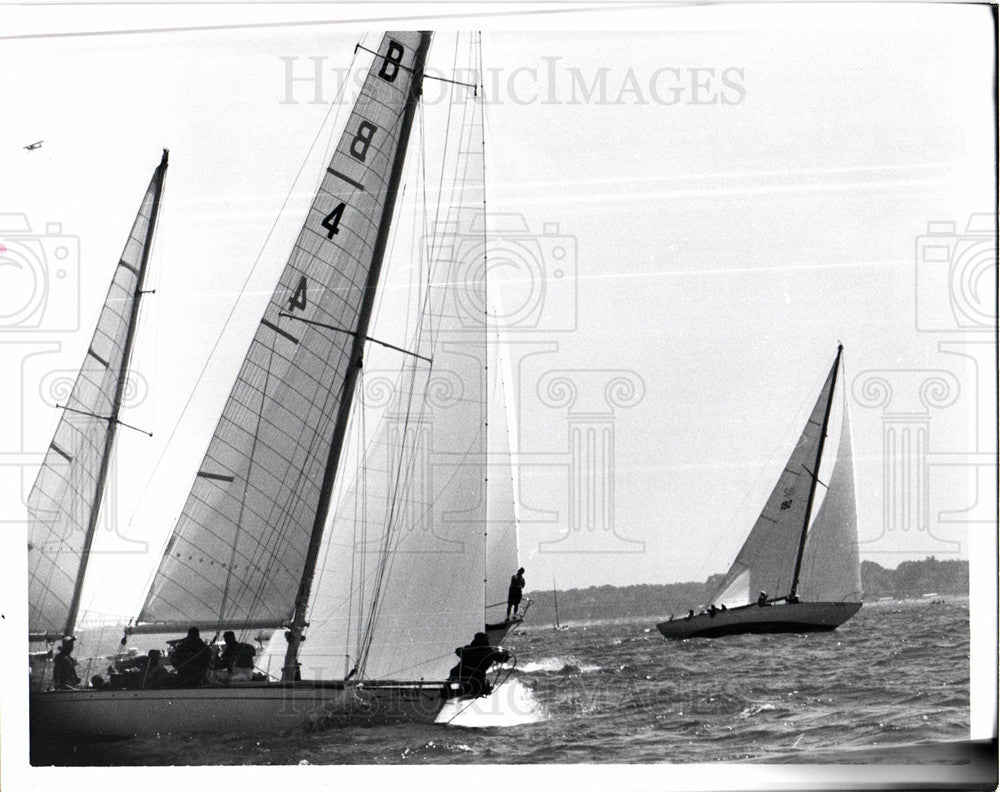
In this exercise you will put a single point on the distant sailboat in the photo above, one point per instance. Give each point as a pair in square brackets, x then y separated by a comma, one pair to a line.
[392, 583]
[555, 606]
[796, 571]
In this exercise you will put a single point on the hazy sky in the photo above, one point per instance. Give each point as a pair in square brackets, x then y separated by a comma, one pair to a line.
[709, 199]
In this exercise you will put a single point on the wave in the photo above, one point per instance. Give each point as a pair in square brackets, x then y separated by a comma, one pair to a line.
[512, 704]
[556, 665]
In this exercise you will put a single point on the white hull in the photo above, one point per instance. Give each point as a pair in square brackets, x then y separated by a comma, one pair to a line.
[795, 617]
[252, 708]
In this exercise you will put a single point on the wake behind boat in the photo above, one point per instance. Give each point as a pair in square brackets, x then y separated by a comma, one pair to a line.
[795, 572]
[253, 548]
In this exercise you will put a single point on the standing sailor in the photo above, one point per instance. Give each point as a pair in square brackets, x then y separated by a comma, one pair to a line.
[514, 592]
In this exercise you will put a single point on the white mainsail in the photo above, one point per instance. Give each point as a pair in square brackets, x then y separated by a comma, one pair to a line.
[831, 568]
[65, 500]
[767, 560]
[239, 548]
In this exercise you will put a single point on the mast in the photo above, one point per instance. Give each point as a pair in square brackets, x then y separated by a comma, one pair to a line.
[112, 419]
[555, 601]
[298, 621]
[815, 473]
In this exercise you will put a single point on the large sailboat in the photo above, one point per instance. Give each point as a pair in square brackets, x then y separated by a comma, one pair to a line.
[382, 562]
[798, 570]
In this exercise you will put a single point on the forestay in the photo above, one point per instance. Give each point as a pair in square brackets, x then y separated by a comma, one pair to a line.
[64, 503]
[237, 553]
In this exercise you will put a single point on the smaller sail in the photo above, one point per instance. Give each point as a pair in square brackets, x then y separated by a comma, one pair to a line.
[831, 569]
[501, 518]
[766, 562]
[63, 503]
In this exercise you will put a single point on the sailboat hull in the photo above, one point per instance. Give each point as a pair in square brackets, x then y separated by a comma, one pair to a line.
[495, 633]
[782, 618]
[253, 708]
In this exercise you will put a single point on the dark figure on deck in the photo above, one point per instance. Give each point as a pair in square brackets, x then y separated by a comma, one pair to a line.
[474, 661]
[762, 599]
[712, 610]
[514, 592]
[97, 682]
[64, 666]
[235, 664]
[191, 658]
[154, 675]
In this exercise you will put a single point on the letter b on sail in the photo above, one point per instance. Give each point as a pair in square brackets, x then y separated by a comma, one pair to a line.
[362, 140]
[390, 66]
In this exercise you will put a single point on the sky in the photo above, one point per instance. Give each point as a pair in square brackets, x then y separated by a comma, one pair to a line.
[697, 205]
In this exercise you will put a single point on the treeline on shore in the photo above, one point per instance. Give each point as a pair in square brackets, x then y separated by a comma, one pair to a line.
[909, 579]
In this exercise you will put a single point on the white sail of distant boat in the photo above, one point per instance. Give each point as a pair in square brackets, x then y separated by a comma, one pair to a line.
[798, 569]
[64, 504]
[396, 583]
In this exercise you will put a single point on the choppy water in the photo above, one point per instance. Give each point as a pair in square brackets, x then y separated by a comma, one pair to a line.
[896, 674]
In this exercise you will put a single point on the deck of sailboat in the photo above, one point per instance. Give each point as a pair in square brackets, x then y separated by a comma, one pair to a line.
[796, 617]
[252, 707]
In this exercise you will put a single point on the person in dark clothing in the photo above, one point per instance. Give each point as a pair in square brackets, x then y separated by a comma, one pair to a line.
[191, 658]
[153, 674]
[64, 674]
[474, 662]
[762, 599]
[235, 664]
[514, 592]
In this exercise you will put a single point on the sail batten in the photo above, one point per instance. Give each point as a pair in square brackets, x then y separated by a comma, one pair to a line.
[65, 500]
[268, 456]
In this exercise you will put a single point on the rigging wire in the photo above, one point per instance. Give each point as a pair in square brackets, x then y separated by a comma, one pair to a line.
[325, 122]
[393, 534]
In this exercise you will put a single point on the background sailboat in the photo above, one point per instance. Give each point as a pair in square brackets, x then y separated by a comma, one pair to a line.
[250, 551]
[803, 561]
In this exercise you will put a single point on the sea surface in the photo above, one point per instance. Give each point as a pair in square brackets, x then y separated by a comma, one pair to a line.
[897, 674]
